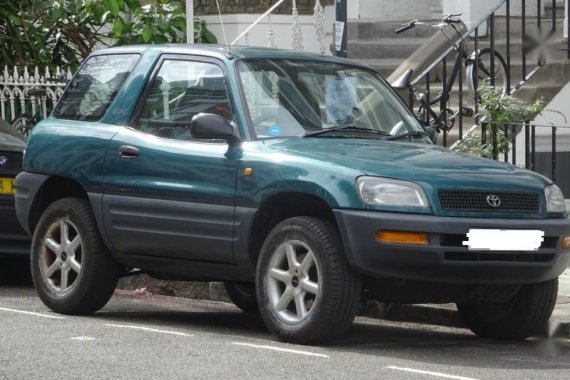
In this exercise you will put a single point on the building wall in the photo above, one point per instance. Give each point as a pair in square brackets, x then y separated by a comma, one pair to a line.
[281, 24]
[208, 7]
[390, 10]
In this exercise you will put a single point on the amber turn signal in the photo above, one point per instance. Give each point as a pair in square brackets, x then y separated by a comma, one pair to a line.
[402, 237]
[566, 242]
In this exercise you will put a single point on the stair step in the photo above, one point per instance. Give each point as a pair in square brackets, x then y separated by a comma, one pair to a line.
[384, 48]
[377, 30]
[383, 66]
[531, 25]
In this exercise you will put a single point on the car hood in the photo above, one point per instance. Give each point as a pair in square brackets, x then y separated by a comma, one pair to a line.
[9, 139]
[427, 164]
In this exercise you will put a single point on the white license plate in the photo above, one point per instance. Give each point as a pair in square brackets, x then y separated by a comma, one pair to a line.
[504, 240]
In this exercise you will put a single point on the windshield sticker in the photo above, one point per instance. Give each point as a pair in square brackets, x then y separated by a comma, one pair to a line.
[340, 96]
[275, 130]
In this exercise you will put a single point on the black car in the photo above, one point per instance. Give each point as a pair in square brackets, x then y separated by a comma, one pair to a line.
[13, 240]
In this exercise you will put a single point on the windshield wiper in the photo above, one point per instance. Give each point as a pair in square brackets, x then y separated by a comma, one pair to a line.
[344, 128]
[409, 134]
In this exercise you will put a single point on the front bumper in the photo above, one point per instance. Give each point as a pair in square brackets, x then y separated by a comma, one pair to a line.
[445, 259]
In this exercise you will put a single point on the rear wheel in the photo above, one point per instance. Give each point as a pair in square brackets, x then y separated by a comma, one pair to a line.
[307, 293]
[72, 269]
[522, 316]
[242, 294]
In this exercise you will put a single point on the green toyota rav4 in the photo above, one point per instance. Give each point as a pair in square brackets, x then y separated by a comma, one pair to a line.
[301, 181]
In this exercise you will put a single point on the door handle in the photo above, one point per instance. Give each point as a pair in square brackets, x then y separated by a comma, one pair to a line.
[128, 151]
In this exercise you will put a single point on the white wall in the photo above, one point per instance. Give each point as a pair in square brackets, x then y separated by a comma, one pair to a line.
[393, 10]
[474, 10]
[555, 113]
[234, 24]
[566, 20]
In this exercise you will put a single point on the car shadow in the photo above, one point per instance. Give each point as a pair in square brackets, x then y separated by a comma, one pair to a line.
[15, 270]
[425, 343]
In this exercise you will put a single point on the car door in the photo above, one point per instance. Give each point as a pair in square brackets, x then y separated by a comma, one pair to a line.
[167, 194]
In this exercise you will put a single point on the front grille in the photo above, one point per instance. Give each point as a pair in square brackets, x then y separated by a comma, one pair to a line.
[462, 200]
[12, 161]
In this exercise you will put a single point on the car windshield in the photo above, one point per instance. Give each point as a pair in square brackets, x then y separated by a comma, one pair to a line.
[300, 98]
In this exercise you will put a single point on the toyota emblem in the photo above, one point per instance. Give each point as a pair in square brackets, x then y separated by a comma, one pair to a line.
[493, 200]
[3, 161]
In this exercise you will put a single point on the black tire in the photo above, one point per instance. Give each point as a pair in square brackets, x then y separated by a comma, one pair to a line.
[325, 287]
[82, 277]
[524, 315]
[475, 77]
[242, 294]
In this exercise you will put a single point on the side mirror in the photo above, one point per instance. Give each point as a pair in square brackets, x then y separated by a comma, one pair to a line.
[432, 134]
[212, 126]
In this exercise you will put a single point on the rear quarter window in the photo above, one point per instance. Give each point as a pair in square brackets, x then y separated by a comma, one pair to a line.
[95, 86]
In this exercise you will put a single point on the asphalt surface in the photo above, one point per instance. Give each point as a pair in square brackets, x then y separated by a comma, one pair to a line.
[158, 337]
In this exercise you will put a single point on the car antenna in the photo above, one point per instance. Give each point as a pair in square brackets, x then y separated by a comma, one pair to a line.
[228, 54]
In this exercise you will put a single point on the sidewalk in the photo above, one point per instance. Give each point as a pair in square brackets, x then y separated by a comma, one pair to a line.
[446, 314]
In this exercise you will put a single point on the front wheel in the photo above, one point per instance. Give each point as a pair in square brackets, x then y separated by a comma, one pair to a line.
[482, 72]
[73, 271]
[306, 291]
[522, 316]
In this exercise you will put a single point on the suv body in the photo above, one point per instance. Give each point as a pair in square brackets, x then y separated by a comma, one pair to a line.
[300, 180]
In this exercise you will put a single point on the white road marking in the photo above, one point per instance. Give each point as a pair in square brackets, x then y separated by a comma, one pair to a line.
[437, 374]
[149, 329]
[31, 313]
[83, 338]
[288, 350]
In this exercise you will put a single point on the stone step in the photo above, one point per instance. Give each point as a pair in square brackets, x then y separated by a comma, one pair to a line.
[383, 48]
[360, 30]
[386, 66]
[531, 26]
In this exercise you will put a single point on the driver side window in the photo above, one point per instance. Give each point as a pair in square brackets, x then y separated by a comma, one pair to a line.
[181, 90]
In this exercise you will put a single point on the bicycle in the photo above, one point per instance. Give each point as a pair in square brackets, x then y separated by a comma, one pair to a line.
[24, 123]
[490, 67]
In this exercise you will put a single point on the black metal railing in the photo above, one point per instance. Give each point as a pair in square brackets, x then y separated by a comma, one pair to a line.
[519, 39]
[535, 147]
[516, 38]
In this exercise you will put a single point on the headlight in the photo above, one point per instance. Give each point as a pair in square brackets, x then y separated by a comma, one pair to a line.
[554, 199]
[391, 192]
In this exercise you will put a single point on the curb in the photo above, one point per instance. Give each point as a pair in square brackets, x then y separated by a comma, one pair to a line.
[445, 315]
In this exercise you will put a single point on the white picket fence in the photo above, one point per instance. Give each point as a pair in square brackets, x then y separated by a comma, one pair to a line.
[15, 83]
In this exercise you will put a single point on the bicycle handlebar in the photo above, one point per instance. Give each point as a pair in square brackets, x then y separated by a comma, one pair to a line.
[451, 18]
[408, 26]
[448, 19]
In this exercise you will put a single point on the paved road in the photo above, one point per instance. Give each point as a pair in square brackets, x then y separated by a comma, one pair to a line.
[156, 337]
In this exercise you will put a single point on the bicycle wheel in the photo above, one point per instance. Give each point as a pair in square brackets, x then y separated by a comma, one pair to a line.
[22, 125]
[483, 71]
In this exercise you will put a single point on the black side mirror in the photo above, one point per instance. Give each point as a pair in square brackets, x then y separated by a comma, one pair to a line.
[212, 126]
